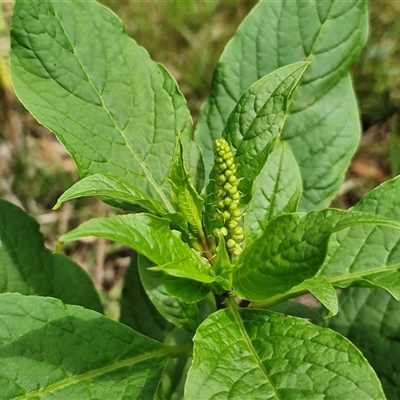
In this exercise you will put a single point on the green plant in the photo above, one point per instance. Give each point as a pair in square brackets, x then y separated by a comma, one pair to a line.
[222, 240]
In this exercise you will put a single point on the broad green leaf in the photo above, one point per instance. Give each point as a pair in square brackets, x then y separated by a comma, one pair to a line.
[175, 310]
[321, 288]
[259, 354]
[118, 192]
[52, 350]
[368, 255]
[257, 120]
[113, 108]
[185, 198]
[27, 267]
[292, 249]
[322, 126]
[370, 318]
[276, 190]
[137, 310]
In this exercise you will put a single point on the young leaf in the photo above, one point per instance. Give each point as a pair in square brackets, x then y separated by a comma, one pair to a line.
[276, 190]
[147, 234]
[27, 267]
[113, 108]
[257, 120]
[49, 349]
[322, 127]
[185, 198]
[137, 310]
[187, 289]
[175, 310]
[370, 318]
[119, 192]
[259, 354]
[111, 187]
[368, 255]
[321, 288]
[292, 249]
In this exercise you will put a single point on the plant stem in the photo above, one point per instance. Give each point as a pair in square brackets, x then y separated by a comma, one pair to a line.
[279, 298]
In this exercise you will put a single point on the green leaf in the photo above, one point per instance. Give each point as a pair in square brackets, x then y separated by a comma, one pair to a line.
[119, 192]
[277, 190]
[49, 349]
[72, 284]
[322, 127]
[113, 108]
[147, 234]
[185, 198]
[257, 120]
[188, 290]
[175, 310]
[223, 268]
[27, 267]
[370, 318]
[137, 310]
[151, 237]
[111, 187]
[368, 255]
[292, 249]
[321, 288]
[275, 357]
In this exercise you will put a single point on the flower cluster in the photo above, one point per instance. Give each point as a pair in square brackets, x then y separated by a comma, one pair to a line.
[227, 196]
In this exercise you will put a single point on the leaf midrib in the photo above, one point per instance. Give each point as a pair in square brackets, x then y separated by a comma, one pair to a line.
[167, 351]
[232, 306]
[147, 173]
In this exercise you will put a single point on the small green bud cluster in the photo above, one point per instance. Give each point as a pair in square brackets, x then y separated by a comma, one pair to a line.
[227, 196]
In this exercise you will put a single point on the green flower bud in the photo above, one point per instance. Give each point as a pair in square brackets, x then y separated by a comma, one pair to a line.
[226, 216]
[238, 237]
[221, 167]
[227, 186]
[232, 191]
[235, 196]
[227, 156]
[232, 180]
[221, 180]
[221, 204]
[221, 193]
[236, 214]
[233, 206]
[227, 201]
[231, 244]
[229, 162]
[237, 231]
[232, 224]
[237, 250]
[224, 231]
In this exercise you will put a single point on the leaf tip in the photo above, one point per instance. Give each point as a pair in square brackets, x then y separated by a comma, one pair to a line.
[59, 246]
[57, 206]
